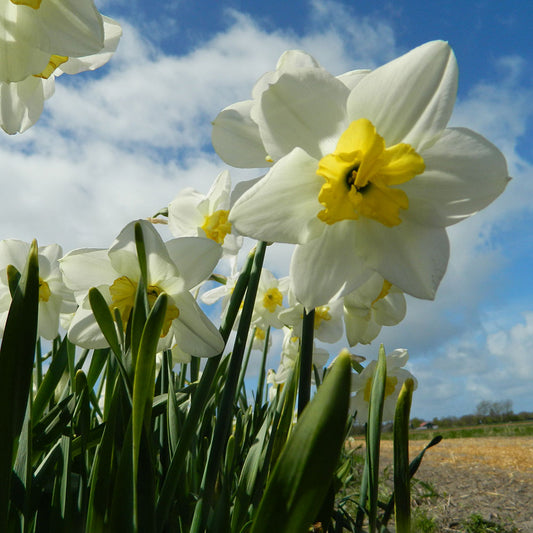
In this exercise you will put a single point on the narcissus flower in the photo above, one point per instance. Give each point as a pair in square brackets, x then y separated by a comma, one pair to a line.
[362, 385]
[173, 268]
[365, 174]
[192, 213]
[40, 41]
[374, 304]
[54, 297]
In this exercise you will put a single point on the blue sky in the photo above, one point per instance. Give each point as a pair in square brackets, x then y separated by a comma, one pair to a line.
[118, 144]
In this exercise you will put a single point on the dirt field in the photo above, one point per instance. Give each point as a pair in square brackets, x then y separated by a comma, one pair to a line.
[491, 476]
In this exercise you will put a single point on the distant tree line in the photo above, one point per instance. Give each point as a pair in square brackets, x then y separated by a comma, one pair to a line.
[487, 412]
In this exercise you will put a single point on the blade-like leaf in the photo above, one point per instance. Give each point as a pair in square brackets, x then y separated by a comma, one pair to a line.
[16, 365]
[302, 476]
[402, 493]
[375, 417]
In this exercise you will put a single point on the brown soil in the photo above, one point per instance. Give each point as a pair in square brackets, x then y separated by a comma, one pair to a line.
[491, 477]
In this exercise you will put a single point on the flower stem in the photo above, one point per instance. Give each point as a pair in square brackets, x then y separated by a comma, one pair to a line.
[224, 420]
[306, 360]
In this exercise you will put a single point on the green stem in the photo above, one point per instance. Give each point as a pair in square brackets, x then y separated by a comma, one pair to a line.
[306, 360]
[224, 420]
[198, 402]
[262, 372]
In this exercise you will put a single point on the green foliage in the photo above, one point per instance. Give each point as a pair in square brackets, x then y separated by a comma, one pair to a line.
[423, 523]
[477, 524]
[112, 440]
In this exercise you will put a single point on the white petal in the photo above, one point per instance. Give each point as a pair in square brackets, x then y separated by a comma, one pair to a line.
[353, 77]
[66, 28]
[13, 252]
[304, 108]
[390, 310]
[282, 206]
[219, 193]
[84, 330]
[360, 329]
[195, 334]
[411, 98]
[123, 255]
[327, 267]
[48, 324]
[112, 35]
[464, 173]
[290, 60]
[411, 256]
[183, 215]
[236, 137]
[195, 257]
[85, 268]
[22, 103]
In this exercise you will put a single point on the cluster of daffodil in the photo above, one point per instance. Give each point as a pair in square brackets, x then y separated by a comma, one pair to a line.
[359, 171]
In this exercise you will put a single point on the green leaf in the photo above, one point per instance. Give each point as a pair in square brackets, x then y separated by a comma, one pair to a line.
[103, 316]
[402, 493]
[51, 379]
[144, 380]
[302, 476]
[16, 366]
[375, 417]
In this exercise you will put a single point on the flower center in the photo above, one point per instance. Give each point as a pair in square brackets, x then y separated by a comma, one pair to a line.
[390, 386]
[35, 4]
[217, 226]
[53, 63]
[361, 173]
[272, 299]
[44, 291]
[123, 292]
[321, 313]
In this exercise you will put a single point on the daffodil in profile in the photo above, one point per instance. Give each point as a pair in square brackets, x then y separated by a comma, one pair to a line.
[365, 175]
[193, 214]
[376, 303]
[173, 268]
[362, 385]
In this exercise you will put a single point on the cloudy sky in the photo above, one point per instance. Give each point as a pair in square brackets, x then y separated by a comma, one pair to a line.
[118, 144]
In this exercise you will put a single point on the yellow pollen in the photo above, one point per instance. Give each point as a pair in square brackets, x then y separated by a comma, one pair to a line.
[35, 4]
[390, 386]
[44, 291]
[53, 63]
[384, 291]
[217, 226]
[123, 292]
[268, 159]
[321, 313]
[272, 299]
[361, 173]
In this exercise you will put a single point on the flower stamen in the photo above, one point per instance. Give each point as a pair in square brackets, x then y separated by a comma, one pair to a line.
[361, 173]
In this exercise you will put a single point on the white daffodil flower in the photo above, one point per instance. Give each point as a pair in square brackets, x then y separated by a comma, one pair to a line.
[269, 300]
[22, 101]
[365, 174]
[290, 352]
[173, 268]
[362, 385]
[327, 323]
[192, 213]
[374, 304]
[54, 297]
